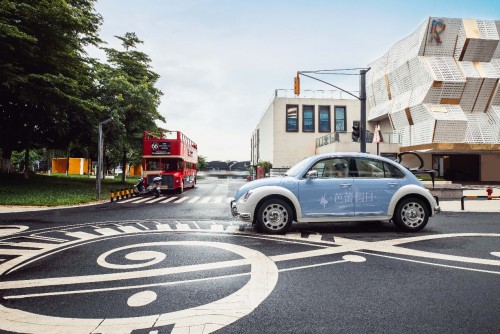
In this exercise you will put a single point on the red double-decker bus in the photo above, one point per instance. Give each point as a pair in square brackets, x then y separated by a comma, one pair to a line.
[171, 155]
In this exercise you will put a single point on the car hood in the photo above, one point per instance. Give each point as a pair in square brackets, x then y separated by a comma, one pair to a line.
[270, 181]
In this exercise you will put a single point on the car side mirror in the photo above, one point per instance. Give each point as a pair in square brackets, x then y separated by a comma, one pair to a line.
[312, 174]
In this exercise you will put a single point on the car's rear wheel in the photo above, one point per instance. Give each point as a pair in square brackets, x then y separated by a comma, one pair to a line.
[411, 215]
[274, 216]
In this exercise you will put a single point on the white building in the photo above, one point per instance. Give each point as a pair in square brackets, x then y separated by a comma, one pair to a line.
[293, 128]
[435, 92]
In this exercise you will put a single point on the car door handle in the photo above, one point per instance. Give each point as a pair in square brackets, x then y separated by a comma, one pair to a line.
[393, 184]
[345, 185]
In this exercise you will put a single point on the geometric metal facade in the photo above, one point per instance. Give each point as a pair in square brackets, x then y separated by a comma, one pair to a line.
[440, 84]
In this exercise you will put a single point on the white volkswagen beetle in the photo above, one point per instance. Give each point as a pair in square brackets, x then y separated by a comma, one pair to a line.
[336, 187]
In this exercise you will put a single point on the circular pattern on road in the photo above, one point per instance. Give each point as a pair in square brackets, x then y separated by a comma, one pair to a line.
[211, 316]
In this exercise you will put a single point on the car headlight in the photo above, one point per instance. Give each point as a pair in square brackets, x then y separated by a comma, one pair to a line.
[246, 196]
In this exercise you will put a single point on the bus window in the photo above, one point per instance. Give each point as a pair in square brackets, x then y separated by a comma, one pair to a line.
[172, 164]
[152, 164]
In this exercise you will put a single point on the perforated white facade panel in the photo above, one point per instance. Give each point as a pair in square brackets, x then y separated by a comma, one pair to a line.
[440, 84]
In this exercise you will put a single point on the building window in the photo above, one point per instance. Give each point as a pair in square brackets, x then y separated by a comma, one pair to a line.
[324, 119]
[340, 119]
[308, 119]
[292, 118]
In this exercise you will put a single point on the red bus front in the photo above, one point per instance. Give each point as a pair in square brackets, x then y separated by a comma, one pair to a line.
[171, 155]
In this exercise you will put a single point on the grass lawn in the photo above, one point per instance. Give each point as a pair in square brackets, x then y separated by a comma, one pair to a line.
[44, 190]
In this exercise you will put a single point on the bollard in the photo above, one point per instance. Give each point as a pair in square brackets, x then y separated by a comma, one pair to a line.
[473, 196]
[111, 196]
[127, 193]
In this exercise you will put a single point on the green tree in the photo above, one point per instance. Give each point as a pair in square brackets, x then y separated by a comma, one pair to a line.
[45, 73]
[127, 91]
[202, 162]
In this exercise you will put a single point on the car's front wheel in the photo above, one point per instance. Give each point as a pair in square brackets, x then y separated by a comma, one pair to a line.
[411, 215]
[274, 216]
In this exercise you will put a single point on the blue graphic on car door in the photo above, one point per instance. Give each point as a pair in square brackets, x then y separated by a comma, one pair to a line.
[374, 185]
[328, 191]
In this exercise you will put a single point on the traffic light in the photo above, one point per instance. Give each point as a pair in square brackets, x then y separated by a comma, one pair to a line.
[296, 84]
[356, 130]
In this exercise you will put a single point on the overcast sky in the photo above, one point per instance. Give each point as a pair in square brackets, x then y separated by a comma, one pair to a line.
[220, 61]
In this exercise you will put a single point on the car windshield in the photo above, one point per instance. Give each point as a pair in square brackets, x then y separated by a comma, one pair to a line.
[295, 170]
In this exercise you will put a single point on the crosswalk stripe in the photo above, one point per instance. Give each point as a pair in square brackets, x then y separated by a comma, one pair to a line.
[180, 200]
[170, 199]
[143, 200]
[194, 199]
[157, 199]
[182, 227]
[206, 199]
[127, 200]
[177, 200]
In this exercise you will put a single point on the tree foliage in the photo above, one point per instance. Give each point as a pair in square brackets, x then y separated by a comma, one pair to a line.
[53, 95]
[44, 71]
[128, 92]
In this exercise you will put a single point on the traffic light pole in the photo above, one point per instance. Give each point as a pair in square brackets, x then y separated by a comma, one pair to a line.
[362, 99]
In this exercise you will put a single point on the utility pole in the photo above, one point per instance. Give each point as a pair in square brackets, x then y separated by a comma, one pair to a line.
[99, 159]
[362, 99]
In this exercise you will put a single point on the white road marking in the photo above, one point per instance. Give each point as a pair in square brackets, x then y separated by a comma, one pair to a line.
[206, 199]
[218, 199]
[170, 199]
[180, 200]
[156, 199]
[11, 229]
[212, 316]
[142, 200]
[194, 199]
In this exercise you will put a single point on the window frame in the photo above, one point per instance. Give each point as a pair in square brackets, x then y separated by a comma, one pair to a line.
[329, 112]
[335, 118]
[288, 107]
[304, 118]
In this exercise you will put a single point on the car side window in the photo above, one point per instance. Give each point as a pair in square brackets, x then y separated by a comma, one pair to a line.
[393, 171]
[370, 168]
[332, 168]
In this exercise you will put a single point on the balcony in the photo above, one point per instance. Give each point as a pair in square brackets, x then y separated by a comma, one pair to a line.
[342, 142]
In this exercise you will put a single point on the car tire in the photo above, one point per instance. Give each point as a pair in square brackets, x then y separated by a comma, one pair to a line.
[411, 215]
[274, 216]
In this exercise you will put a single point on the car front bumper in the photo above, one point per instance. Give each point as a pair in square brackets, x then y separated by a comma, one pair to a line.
[246, 217]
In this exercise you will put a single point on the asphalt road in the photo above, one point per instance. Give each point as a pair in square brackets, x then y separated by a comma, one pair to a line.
[181, 264]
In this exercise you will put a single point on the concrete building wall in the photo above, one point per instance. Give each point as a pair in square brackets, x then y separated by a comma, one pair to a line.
[284, 149]
[490, 167]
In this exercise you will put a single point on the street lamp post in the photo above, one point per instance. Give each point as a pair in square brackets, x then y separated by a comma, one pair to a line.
[99, 159]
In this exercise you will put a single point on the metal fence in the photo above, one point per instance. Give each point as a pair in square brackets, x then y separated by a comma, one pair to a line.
[344, 137]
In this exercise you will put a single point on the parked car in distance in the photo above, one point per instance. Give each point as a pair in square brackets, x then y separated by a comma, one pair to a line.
[337, 187]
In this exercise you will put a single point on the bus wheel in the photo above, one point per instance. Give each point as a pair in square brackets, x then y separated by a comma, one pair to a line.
[181, 189]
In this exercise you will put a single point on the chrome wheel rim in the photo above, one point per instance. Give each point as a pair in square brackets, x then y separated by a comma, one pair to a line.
[275, 217]
[413, 214]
